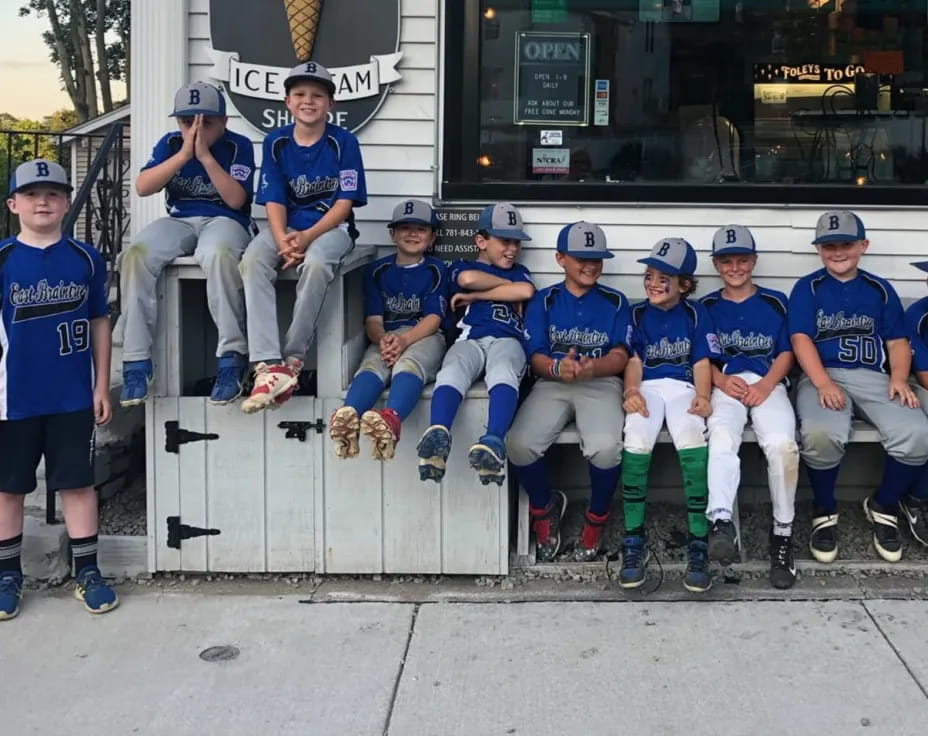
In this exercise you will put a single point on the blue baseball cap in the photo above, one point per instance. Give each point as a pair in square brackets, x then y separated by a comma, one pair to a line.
[673, 256]
[39, 172]
[414, 211]
[502, 220]
[920, 265]
[310, 71]
[583, 240]
[839, 226]
[198, 98]
[733, 240]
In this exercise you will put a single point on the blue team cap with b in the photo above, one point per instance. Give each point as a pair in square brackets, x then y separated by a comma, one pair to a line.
[502, 220]
[39, 172]
[583, 240]
[839, 226]
[198, 98]
[414, 211]
[673, 256]
[733, 240]
[310, 71]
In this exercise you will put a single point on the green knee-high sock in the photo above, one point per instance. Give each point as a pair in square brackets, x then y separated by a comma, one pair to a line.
[693, 467]
[634, 488]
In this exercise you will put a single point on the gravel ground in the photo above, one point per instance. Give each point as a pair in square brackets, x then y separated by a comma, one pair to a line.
[125, 513]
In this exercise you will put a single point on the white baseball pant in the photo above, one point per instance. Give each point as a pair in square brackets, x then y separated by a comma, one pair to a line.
[774, 423]
[667, 399]
[217, 244]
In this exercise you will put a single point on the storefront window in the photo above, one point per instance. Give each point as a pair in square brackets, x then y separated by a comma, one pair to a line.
[688, 100]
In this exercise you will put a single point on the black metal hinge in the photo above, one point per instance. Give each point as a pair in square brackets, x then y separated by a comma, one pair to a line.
[175, 436]
[178, 532]
[298, 430]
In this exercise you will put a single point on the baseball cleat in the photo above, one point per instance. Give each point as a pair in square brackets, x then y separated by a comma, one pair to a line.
[885, 531]
[11, 592]
[488, 458]
[723, 542]
[590, 536]
[96, 595]
[230, 377]
[634, 562]
[136, 382]
[915, 512]
[274, 384]
[823, 542]
[696, 579]
[782, 566]
[382, 426]
[433, 450]
[343, 431]
[546, 523]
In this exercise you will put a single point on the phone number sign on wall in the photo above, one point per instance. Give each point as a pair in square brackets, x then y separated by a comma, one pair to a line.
[456, 233]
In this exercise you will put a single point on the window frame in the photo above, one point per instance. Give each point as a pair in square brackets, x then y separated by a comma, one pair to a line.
[459, 173]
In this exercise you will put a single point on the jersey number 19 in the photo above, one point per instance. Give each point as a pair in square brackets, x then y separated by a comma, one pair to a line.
[73, 337]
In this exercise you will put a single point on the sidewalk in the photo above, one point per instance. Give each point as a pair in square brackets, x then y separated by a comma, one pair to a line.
[309, 664]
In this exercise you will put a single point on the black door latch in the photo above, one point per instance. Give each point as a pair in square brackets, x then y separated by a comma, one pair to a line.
[178, 531]
[298, 430]
[175, 436]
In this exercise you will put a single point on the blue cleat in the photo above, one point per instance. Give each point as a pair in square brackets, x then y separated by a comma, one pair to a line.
[97, 596]
[697, 579]
[136, 382]
[230, 378]
[634, 562]
[11, 592]
[488, 458]
[433, 450]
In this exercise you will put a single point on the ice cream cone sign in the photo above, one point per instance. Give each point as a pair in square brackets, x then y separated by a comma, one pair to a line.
[303, 17]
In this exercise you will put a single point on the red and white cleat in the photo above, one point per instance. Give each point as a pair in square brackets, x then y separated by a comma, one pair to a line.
[274, 384]
[382, 426]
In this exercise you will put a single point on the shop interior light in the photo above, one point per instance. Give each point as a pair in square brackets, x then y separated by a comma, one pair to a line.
[860, 180]
[484, 161]
[489, 13]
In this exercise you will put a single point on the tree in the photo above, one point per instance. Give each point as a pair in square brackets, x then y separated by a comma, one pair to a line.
[89, 41]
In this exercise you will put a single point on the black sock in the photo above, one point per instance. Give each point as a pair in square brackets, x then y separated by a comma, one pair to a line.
[84, 551]
[11, 554]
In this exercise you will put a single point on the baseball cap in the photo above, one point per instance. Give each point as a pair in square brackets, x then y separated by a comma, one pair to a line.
[673, 256]
[310, 71]
[920, 265]
[583, 240]
[198, 98]
[414, 211]
[502, 220]
[733, 240]
[39, 171]
[839, 226]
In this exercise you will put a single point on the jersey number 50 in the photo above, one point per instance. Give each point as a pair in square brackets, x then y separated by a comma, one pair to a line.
[73, 337]
[862, 349]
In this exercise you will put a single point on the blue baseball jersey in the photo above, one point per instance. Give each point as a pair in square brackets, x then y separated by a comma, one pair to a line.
[490, 319]
[592, 324]
[669, 342]
[48, 296]
[308, 180]
[403, 295]
[752, 333]
[916, 322]
[191, 193]
[849, 321]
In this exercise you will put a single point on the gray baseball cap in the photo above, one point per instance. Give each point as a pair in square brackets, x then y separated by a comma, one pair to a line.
[839, 226]
[39, 171]
[673, 256]
[414, 211]
[198, 98]
[583, 240]
[310, 71]
[733, 240]
[502, 220]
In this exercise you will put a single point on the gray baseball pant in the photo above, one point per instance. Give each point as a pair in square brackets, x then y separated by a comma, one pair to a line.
[422, 358]
[217, 244]
[500, 359]
[595, 406]
[824, 432]
[259, 268]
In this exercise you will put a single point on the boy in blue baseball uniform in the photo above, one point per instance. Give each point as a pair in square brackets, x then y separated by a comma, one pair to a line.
[207, 174]
[54, 334]
[914, 505]
[312, 178]
[405, 303]
[750, 380]
[492, 290]
[577, 336]
[669, 378]
[849, 337]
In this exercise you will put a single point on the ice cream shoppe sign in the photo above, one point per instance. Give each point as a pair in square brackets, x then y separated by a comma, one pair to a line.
[255, 44]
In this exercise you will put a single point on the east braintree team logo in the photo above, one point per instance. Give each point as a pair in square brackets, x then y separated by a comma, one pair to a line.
[255, 44]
